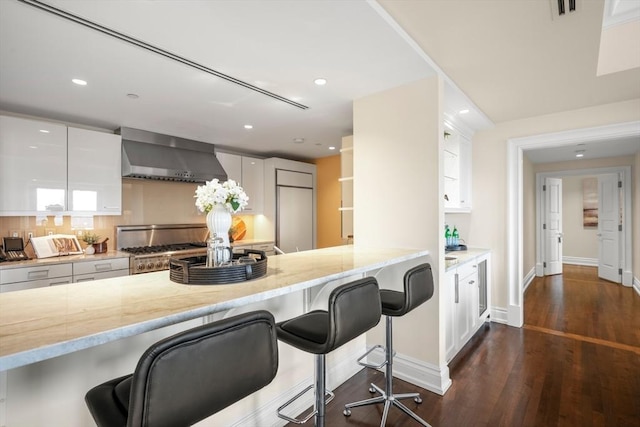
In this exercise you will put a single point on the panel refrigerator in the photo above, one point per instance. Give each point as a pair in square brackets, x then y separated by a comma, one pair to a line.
[294, 211]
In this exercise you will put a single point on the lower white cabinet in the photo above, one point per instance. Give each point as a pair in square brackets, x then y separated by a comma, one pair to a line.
[267, 247]
[467, 291]
[103, 269]
[22, 278]
[18, 279]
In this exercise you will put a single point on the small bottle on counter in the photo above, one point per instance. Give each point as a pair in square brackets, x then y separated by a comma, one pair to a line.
[455, 237]
[447, 235]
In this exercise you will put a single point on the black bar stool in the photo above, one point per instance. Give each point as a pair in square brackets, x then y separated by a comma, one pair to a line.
[189, 376]
[418, 288]
[354, 308]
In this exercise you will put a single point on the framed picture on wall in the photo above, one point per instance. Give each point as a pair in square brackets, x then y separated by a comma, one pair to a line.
[590, 202]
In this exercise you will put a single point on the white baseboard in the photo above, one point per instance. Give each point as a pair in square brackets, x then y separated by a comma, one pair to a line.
[590, 262]
[499, 315]
[636, 285]
[430, 377]
[528, 279]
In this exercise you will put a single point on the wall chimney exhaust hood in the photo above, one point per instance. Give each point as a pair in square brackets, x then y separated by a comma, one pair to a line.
[149, 155]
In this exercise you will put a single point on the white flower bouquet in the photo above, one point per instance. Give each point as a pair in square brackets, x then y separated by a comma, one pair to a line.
[228, 193]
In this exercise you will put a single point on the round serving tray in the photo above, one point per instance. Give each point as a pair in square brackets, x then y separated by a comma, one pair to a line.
[193, 270]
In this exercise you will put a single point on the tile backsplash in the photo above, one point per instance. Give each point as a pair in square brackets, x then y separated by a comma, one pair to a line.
[143, 202]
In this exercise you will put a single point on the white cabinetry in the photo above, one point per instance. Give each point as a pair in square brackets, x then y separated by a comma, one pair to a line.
[467, 295]
[47, 168]
[249, 173]
[33, 166]
[93, 270]
[21, 278]
[95, 177]
[457, 171]
[39, 276]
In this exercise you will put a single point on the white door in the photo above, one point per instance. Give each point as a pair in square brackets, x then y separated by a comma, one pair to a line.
[608, 233]
[294, 229]
[553, 226]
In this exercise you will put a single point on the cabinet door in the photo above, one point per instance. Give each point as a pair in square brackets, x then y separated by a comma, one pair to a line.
[464, 195]
[232, 165]
[452, 299]
[95, 173]
[33, 167]
[253, 183]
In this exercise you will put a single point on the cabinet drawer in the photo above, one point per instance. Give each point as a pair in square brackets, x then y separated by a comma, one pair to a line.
[92, 267]
[467, 269]
[42, 272]
[21, 286]
[97, 276]
[266, 247]
[237, 249]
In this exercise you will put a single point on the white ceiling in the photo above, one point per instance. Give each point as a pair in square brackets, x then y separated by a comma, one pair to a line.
[510, 58]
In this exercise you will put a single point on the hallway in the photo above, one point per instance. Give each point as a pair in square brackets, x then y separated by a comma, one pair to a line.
[576, 362]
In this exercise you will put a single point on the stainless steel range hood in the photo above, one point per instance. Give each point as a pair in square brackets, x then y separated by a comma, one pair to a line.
[149, 155]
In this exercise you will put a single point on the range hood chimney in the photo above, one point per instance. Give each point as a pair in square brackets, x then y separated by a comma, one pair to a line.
[149, 155]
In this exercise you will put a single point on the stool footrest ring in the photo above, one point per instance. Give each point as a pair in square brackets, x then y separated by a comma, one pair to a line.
[371, 365]
[328, 393]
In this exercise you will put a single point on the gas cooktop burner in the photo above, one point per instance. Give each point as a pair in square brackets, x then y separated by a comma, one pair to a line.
[141, 250]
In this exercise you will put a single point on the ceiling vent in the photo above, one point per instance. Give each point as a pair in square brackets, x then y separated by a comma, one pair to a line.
[563, 8]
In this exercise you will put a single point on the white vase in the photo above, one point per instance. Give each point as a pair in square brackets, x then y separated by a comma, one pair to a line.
[219, 223]
[89, 250]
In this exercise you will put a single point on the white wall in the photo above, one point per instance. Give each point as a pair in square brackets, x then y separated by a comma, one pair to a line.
[397, 163]
[636, 225]
[488, 226]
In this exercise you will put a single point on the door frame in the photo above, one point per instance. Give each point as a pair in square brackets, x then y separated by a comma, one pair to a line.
[626, 237]
[515, 149]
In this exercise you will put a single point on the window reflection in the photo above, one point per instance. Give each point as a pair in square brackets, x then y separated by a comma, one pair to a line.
[49, 199]
[84, 200]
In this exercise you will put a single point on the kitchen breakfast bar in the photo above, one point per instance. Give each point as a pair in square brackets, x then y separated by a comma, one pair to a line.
[57, 342]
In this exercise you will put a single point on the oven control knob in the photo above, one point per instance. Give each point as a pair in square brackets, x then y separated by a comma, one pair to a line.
[150, 265]
[159, 264]
[140, 266]
[166, 264]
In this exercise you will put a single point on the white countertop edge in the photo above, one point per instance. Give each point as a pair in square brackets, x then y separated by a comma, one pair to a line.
[17, 360]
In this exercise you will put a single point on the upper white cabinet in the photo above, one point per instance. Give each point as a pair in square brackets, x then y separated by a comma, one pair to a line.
[249, 173]
[94, 180]
[33, 167]
[457, 171]
[48, 168]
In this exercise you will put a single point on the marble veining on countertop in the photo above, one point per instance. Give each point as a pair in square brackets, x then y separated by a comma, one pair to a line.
[42, 323]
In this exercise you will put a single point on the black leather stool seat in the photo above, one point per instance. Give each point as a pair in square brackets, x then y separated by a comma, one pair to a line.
[418, 288]
[353, 309]
[189, 376]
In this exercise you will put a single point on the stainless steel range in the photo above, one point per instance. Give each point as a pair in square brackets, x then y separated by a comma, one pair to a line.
[151, 246]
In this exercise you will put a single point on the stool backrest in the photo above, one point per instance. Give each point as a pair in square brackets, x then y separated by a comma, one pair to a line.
[192, 375]
[354, 308]
[418, 286]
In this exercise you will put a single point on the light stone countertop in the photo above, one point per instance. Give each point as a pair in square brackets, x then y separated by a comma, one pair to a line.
[463, 257]
[43, 323]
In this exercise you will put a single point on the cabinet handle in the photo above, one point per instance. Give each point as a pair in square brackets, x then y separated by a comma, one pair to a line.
[457, 295]
[39, 274]
[111, 207]
[103, 267]
[471, 282]
[62, 282]
[86, 279]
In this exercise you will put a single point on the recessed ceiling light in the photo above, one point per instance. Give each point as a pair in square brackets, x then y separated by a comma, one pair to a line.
[580, 153]
[44, 131]
[248, 126]
[132, 96]
[79, 82]
[465, 111]
[332, 148]
[298, 140]
[320, 81]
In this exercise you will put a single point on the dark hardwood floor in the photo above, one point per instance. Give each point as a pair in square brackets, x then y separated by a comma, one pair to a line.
[576, 362]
